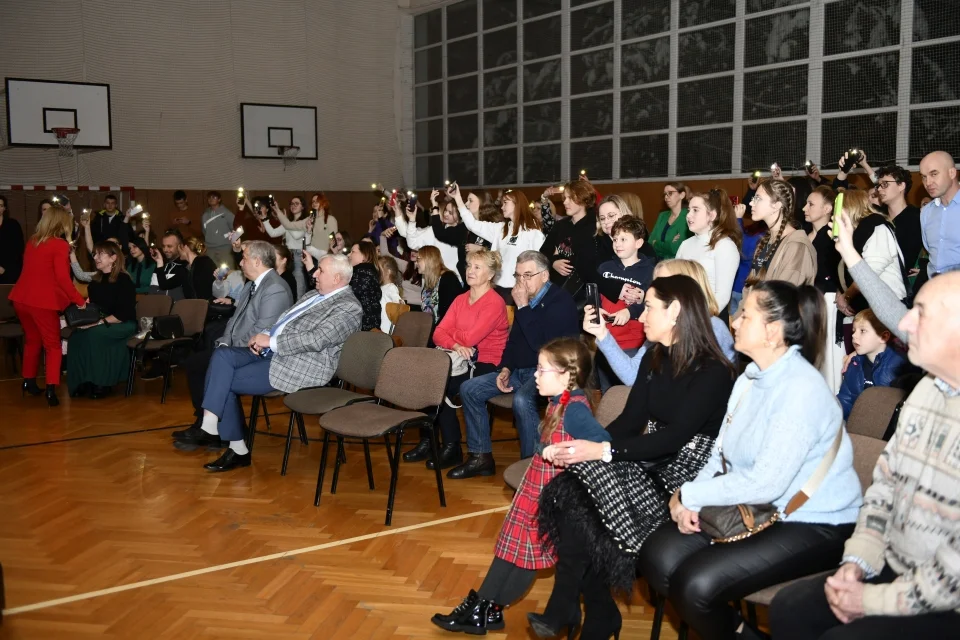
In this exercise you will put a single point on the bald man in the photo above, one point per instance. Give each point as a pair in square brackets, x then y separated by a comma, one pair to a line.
[899, 573]
[940, 220]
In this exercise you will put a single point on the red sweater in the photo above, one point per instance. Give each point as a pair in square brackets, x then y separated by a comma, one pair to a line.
[628, 336]
[46, 281]
[482, 324]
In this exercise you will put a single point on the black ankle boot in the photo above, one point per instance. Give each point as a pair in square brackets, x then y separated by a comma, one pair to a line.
[448, 621]
[473, 616]
[419, 453]
[30, 386]
[478, 464]
[52, 398]
[450, 456]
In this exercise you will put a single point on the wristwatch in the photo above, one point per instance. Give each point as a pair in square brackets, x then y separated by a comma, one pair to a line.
[607, 455]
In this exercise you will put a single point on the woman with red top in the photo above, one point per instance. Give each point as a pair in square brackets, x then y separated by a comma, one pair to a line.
[475, 327]
[43, 291]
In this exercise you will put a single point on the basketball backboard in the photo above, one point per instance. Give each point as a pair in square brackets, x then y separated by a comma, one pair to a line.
[264, 128]
[36, 107]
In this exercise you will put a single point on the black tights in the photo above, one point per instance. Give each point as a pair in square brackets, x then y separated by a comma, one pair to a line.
[506, 582]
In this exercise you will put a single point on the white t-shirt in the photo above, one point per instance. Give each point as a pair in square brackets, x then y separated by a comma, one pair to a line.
[720, 263]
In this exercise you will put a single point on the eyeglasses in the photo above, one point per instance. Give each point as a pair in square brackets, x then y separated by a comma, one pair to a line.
[883, 184]
[541, 370]
[670, 193]
[524, 277]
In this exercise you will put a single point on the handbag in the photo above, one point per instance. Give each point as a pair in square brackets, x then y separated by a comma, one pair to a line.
[458, 364]
[77, 317]
[740, 521]
[167, 328]
[218, 311]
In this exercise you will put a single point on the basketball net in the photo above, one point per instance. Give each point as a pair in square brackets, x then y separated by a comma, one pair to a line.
[65, 138]
[289, 156]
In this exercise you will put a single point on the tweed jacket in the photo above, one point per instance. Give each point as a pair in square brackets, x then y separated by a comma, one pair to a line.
[308, 348]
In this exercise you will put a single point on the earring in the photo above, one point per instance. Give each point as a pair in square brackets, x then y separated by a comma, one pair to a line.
[673, 323]
[767, 344]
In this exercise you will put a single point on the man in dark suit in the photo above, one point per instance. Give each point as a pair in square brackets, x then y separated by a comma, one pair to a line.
[301, 350]
[260, 302]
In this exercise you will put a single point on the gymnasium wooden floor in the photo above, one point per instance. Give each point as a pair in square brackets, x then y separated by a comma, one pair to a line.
[107, 531]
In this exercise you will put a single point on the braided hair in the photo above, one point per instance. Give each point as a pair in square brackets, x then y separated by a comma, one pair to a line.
[571, 356]
[778, 191]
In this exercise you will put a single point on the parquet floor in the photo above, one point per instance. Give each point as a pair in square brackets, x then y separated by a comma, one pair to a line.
[107, 531]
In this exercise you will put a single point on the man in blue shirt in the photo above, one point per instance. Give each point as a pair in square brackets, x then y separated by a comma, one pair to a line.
[940, 219]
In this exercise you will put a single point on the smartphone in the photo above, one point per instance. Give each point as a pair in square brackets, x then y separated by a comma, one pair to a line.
[734, 200]
[235, 235]
[837, 212]
[135, 210]
[593, 298]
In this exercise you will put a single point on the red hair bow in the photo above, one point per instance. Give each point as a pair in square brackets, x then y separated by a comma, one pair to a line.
[564, 398]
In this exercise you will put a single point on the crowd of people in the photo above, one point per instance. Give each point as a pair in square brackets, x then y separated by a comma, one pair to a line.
[746, 331]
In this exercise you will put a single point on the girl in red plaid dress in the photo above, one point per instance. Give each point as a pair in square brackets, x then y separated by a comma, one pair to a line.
[563, 367]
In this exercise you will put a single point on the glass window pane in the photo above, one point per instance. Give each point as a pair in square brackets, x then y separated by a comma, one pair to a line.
[430, 136]
[462, 19]
[875, 132]
[500, 48]
[464, 168]
[765, 5]
[645, 109]
[596, 156]
[644, 62]
[867, 82]
[429, 171]
[497, 13]
[705, 102]
[704, 152]
[775, 93]
[591, 116]
[500, 167]
[541, 122]
[591, 27]
[499, 127]
[462, 132]
[541, 163]
[541, 80]
[429, 100]
[644, 156]
[935, 76]
[935, 19]
[856, 25]
[500, 88]
[707, 50]
[934, 129]
[533, 8]
[782, 37]
[645, 17]
[428, 64]
[462, 94]
[462, 57]
[781, 142]
[541, 38]
[591, 71]
[428, 28]
[694, 12]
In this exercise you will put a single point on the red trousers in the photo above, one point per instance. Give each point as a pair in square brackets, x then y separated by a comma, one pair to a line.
[41, 330]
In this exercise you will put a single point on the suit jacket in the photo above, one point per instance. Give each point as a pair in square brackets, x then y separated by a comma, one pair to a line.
[308, 348]
[45, 281]
[259, 313]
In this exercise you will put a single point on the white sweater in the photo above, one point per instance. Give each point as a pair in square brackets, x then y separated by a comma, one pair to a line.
[388, 293]
[321, 232]
[417, 238]
[292, 238]
[720, 263]
[509, 247]
[883, 255]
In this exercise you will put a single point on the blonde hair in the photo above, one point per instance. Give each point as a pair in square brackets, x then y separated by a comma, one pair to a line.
[55, 223]
[857, 205]
[491, 259]
[569, 355]
[695, 270]
[390, 271]
[433, 266]
[633, 203]
[195, 244]
[620, 203]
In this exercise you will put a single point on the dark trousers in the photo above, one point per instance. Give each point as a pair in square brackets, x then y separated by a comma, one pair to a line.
[195, 366]
[801, 612]
[701, 579]
[447, 418]
[234, 371]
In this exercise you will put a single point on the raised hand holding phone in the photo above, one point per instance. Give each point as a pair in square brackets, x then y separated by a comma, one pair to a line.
[593, 322]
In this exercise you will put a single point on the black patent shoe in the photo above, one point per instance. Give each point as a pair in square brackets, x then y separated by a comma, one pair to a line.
[474, 616]
[448, 621]
[30, 386]
[544, 628]
[228, 461]
[450, 456]
[478, 464]
[418, 453]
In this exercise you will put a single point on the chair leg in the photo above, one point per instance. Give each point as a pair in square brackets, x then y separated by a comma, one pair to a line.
[131, 372]
[752, 613]
[386, 440]
[252, 429]
[286, 450]
[435, 451]
[303, 429]
[167, 372]
[323, 468]
[336, 467]
[366, 455]
[342, 455]
[660, 604]
[683, 631]
[266, 414]
[394, 471]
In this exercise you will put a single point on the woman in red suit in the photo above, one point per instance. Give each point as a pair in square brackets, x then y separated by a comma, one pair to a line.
[44, 289]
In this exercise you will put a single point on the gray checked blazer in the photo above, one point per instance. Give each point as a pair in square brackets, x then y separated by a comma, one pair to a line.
[259, 313]
[308, 348]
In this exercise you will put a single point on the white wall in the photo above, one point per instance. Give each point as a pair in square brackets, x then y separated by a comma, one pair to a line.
[179, 69]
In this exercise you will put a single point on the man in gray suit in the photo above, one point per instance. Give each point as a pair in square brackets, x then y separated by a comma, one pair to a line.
[302, 349]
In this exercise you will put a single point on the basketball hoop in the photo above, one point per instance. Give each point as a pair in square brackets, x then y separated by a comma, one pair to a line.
[289, 156]
[65, 138]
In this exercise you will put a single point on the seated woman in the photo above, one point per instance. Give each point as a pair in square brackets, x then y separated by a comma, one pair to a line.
[366, 282]
[440, 285]
[563, 368]
[782, 422]
[140, 265]
[599, 513]
[285, 266]
[99, 357]
[875, 365]
[476, 328]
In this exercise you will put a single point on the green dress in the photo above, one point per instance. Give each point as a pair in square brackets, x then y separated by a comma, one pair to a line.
[667, 244]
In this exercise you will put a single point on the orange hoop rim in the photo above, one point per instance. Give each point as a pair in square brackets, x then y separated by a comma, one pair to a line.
[63, 132]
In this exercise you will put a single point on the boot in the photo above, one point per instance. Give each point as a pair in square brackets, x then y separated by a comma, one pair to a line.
[52, 398]
[602, 617]
[450, 456]
[418, 453]
[447, 621]
[477, 464]
[473, 616]
[563, 607]
[30, 386]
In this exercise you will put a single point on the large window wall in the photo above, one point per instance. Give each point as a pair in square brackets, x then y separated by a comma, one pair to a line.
[512, 92]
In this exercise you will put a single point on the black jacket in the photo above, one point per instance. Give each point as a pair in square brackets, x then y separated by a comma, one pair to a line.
[366, 287]
[555, 316]
[103, 227]
[576, 243]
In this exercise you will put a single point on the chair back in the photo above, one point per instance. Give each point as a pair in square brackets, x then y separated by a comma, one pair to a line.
[395, 310]
[153, 305]
[511, 312]
[193, 313]
[361, 357]
[6, 307]
[413, 378]
[872, 411]
[866, 452]
[612, 404]
[413, 328]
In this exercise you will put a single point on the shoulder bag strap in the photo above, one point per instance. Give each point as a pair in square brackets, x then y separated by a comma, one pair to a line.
[800, 498]
[726, 424]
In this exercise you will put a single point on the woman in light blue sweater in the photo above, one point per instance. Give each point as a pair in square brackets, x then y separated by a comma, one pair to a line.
[782, 421]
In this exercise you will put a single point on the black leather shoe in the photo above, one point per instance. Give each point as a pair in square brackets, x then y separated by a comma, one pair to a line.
[450, 456]
[228, 461]
[30, 386]
[478, 464]
[197, 436]
[419, 453]
[52, 398]
[473, 616]
[448, 621]
[99, 392]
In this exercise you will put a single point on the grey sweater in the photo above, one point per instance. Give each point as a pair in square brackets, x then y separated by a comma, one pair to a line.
[883, 301]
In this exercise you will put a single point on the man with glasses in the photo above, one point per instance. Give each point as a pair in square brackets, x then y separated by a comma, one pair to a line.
[544, 313]
[893, 185]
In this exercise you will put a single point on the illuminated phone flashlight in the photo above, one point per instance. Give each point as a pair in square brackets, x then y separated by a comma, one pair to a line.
[446, 183]
[240, 192]
[55, 199]
[562, 188]
[373, 185]
[223, 266]
[410, 194]
[808, 164]
[145, 216]
[756, 174]
[85, 210]
[383, 198]
[583, 172]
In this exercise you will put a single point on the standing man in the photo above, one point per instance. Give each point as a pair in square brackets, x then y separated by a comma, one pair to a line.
[180, 217]
[940, 220]
[217, 223]
[109, 223]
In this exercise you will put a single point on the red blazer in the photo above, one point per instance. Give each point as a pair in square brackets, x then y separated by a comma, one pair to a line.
[46, 280]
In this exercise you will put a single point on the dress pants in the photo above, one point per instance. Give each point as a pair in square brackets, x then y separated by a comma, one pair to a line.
[41, 331]
[196, 366]
[234, 371]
